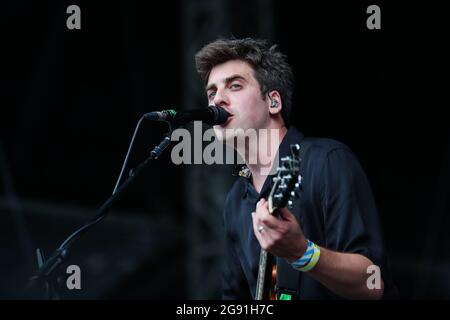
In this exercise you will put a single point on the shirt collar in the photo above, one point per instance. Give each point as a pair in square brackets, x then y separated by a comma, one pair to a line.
[241, 170]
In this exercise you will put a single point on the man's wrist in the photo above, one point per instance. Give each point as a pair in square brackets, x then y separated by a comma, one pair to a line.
[300, 252]
[309, 259]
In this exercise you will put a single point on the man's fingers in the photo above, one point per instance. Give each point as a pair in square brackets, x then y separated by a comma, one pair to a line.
[255, 223]
[270, 221]
[262, 202]
[286, 214]
[263, 217]
[259, 230]
[261, 208]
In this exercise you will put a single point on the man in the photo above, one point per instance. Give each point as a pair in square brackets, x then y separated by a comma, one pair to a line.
[332, 237]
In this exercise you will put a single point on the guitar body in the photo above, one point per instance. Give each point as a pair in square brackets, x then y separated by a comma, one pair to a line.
[273, 281]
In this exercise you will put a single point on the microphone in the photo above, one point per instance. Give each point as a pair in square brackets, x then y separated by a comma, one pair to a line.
[211, 115]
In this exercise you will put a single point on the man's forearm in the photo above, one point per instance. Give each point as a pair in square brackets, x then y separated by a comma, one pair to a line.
[345, 274]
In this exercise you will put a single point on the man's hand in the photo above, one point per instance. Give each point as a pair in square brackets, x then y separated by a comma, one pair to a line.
[343, 273]
[281, 236]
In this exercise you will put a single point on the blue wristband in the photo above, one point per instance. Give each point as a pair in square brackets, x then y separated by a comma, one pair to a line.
[309, 259]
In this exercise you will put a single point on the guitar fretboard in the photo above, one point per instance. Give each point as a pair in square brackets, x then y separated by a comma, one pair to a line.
[259, 295]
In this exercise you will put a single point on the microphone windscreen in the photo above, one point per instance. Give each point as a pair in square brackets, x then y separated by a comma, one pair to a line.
[220, 115]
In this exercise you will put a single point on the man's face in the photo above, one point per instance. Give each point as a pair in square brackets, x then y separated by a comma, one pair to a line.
[232, 85]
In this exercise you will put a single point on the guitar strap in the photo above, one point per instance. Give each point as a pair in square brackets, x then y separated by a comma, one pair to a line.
[289, 279]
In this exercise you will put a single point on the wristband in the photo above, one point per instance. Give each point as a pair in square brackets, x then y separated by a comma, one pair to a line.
[309, 259]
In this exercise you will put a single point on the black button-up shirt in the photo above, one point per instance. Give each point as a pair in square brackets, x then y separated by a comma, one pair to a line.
[336, 210]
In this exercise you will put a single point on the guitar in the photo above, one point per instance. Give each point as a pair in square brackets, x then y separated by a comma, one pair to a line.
[286, 186]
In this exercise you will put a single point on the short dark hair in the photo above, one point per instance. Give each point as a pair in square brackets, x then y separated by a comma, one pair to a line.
[270, 66]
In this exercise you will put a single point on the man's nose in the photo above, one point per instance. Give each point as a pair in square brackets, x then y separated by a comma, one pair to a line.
[220, 98]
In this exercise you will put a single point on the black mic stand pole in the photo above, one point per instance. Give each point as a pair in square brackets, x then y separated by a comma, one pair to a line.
[46, 267]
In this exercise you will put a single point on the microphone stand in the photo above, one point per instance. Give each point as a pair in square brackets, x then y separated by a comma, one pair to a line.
[46, 267]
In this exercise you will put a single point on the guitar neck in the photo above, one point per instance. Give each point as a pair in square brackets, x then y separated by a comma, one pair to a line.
[262, 274]
[264, 271]
[287, 181]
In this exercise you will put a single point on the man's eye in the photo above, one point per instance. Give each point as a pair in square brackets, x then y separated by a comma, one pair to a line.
[235, 86]
[211, 95]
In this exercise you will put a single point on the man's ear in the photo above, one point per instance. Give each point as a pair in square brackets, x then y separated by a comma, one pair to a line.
[274, 102]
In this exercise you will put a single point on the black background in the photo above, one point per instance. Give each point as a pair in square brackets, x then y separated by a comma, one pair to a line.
[70, 100]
